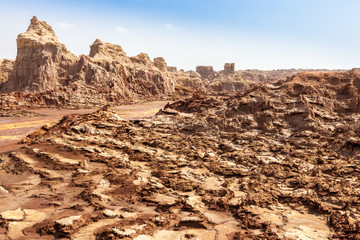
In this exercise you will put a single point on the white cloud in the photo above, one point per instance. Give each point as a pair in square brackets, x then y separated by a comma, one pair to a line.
[121, 29]
[169, 26]
[65, 25]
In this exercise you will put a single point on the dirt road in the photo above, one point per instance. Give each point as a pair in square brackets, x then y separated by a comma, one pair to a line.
[12, 129]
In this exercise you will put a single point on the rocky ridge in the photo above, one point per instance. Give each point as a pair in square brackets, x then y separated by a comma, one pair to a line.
[45, 73]
[231, 81]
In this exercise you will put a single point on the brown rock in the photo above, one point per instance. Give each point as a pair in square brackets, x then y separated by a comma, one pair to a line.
[40, 59]
[6, 66]
[205, 71]
[229, 68]
[160, 64]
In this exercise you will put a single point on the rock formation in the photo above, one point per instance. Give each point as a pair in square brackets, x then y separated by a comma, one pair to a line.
[205, 71]
[188, 82]
[6, 66]
[160, 64]
[46, 74]
[53, 76]
[172, 69]
[229, 68]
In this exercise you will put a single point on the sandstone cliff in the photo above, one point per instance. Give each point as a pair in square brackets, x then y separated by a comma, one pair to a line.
[53, 76]
[41, 59]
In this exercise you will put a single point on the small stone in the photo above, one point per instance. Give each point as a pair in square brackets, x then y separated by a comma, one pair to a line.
[268, 159]
[125, 233]
[110, 213]
[144, 237]
[32, 215]
[104, 183]
[190, 219]
[3, 190]
[17, 215]
[68, 221]
[82, 170]
[128, 215]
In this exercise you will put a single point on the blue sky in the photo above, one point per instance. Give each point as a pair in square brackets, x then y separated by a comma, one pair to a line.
[263, 34]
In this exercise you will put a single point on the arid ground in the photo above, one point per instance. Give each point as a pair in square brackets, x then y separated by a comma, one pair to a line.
[13, 129]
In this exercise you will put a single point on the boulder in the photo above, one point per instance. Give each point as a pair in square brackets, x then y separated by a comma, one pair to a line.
[52, 76]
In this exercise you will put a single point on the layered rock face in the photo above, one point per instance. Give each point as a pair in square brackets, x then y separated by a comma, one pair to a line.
[6, 66]
[53, 76]
[160, 64]
[41, 59]
[46, 74]
[229, 68]
[188, 82]
[231, 81]
[137, 76]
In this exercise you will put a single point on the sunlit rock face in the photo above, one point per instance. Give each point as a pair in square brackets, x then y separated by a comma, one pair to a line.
[41, 59]
[6, 66]
[52, 76]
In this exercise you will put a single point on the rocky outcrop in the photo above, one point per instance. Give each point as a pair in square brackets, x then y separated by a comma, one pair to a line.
[6, 66]
[53, 76]
[205, 71]
[229, 68]
[172, 69]
[191, 80]
[41, 62]
[160, 64]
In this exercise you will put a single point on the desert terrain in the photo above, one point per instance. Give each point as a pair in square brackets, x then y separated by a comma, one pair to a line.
[106, 146]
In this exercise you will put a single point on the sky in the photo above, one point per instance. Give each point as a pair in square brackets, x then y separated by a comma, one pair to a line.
[254, 34]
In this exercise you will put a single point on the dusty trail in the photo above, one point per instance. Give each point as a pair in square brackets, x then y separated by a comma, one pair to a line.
[13, 129]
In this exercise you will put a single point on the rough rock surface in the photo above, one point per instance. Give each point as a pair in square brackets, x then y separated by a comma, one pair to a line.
[188, 82]
[53, 76]
[205, 71]
[160, 64]
[6, 67]
[229, 68]
[171, 69]
[276, 161]
[40, 61]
